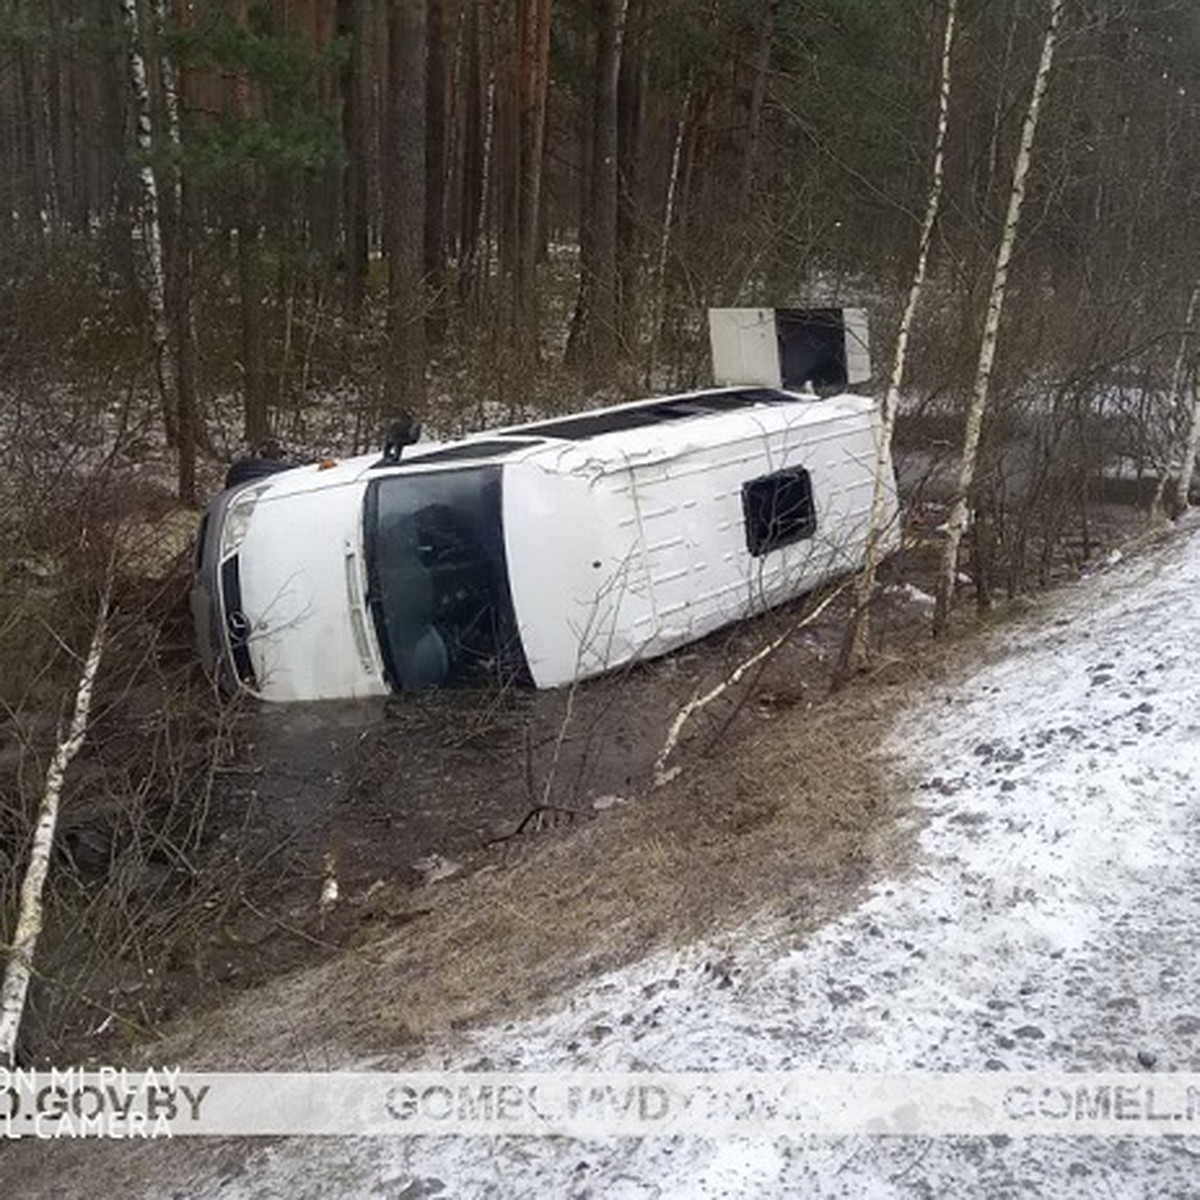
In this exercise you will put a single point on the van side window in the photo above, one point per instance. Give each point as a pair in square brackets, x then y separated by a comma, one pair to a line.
[778, 510]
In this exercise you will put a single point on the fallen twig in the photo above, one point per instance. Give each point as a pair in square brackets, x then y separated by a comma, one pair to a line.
[29, 915]
[661, 774]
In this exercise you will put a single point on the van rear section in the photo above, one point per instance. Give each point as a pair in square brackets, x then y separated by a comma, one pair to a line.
[631, 543]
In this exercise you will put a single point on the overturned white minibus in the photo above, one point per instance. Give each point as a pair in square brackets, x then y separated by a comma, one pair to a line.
[540, 553]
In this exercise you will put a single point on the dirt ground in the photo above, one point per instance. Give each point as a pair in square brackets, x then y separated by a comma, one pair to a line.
[469, 830]
[779, 809]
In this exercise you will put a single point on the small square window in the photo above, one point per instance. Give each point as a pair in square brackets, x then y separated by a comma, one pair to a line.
[778, 510]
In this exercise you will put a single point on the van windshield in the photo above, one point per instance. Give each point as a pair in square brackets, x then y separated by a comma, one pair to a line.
[438, 580]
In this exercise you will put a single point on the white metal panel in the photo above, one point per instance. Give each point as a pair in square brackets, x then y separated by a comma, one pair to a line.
[576, 570]
[745, 349]
[632, 544]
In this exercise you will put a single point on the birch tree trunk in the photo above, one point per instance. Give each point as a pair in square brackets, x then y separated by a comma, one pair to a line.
[957, 524]
[156, 285]
[29, 915]
[664, 239]
[437, 83]
[855, 645]
[1191, 444]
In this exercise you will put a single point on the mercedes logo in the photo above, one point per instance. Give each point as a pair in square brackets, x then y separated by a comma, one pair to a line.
[239, 626]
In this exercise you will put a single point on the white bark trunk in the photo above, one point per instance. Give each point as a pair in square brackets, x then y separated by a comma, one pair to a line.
[664, 241]
[1192, 442]
[957, 524]
[170, 86]
[857, 633]
[29, 915]
[151, 222]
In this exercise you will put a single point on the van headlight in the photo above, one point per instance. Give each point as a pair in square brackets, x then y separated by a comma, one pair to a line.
[237, 518]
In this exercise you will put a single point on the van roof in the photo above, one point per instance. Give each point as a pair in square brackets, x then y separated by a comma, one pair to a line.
[665, 424]
[657, 428]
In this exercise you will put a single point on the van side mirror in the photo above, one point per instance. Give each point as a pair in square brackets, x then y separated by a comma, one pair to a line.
[400, 433]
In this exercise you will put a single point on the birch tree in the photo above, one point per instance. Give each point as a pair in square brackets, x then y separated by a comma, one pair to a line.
[29, 914]
[1191, 443]
[664, 236]
[156, 279]
[959, 512]
[855, 644]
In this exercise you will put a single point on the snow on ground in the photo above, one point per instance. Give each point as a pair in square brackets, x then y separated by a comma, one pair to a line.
[1052, 922]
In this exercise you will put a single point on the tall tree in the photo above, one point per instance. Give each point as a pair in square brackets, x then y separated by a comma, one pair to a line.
[476, 142]
[352, 28]
[405, 162]
[180, 268]
[857, 636]
[632, 84]
[1191, 440]
[960, 511]
[595, 328]
[533, 89]
[155, 270]
[437, 86]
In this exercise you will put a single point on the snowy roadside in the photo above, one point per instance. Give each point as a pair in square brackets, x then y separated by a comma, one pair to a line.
[1052, 922]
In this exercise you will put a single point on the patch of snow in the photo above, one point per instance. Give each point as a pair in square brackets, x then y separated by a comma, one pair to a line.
[910, 593]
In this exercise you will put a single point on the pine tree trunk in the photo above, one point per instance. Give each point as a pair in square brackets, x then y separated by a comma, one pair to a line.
[474, 156]
[758, 94]
[406, 200]
[352, 26]
[255, 410]
[631, 120]
[533, 94]
[855, 645]
[179, 275]
[603, 215]
[959, 514]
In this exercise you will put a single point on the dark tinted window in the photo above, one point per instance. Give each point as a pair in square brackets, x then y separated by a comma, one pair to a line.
[438, 579]
[654, 412]
[778, 510]
[812, 347]
[484, 448]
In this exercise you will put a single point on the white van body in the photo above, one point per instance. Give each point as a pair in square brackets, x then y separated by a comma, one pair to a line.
[547, 552]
